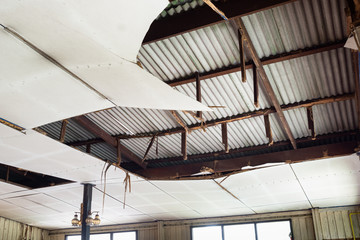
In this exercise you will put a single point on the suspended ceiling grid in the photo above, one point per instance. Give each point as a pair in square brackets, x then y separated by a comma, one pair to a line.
[335, 182]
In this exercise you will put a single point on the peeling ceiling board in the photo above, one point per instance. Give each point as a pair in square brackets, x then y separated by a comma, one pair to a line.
[34, 92]
[118, 26]
[38, 153]
[72, 34]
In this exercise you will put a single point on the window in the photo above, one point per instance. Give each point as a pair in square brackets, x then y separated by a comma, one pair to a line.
[279, 230]
[107, 236]
[208, 233]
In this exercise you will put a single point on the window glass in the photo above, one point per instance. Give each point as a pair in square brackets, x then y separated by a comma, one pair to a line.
[103, 236]
[240, 231]
[124, 236]
[74, 237]
[207, 233]
[274, 230]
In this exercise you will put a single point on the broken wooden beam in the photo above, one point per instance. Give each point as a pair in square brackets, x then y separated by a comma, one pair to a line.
[148, 148]
[179, 120]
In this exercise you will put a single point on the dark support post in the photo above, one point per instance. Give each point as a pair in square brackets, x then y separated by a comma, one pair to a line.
[355, 56]
[224, 134]
[88, 148]
[184, 145]
[268, 129]
[256, 86]
[85, 229]
[63, 130]
[198, 92]
[311, 124]
[242, 56]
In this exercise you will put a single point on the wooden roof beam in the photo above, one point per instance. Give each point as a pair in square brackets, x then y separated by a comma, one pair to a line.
[265, 61]
[96, 130]
[268, 88]
[261, 112]
[204, 16]
[235, 164]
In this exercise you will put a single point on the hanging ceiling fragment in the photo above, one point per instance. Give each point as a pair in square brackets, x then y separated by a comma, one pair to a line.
[94, 43]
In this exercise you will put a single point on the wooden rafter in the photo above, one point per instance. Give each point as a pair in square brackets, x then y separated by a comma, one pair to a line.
[198, 92]
[96, 130]
[236, 164]
[242, 55]
[268, 129]
[63, 130]
[238, 117]
[311, 125]
[204, 16]
[265, 61]
[259, 148]
[184, 145]
[224, 136]
[355, 58]
[264, 79]
[149, 147]
[256, 86]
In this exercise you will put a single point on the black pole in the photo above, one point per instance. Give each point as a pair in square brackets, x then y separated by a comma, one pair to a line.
[85, 229]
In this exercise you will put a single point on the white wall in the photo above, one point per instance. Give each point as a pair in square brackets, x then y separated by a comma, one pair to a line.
[11, 230]
[320, 224]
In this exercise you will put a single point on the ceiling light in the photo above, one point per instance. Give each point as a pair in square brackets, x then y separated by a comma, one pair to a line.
[96, 220]
[75, 221]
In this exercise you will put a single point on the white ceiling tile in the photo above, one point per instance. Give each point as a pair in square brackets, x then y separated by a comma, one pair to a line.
[9, 188]
[300, 205]
[260, 187]
[332, 178]
[336, 201]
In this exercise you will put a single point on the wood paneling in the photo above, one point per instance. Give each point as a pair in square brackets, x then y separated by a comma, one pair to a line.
[334, 223]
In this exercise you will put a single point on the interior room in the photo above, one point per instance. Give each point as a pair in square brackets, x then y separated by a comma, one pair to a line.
[179, 120]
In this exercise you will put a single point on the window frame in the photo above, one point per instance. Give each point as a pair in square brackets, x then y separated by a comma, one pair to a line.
[254, 223]
[111, 234]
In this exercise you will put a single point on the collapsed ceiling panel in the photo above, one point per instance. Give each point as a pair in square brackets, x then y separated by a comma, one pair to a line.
[82, 63]
[44, 155]
[37, 90]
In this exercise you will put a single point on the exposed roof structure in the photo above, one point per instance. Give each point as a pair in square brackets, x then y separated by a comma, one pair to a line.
[283, 92]
[309, 76]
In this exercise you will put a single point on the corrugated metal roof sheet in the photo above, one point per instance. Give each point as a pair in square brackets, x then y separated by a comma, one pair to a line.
[294, 26]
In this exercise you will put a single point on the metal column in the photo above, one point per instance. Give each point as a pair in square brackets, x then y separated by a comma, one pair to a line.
[85, 229]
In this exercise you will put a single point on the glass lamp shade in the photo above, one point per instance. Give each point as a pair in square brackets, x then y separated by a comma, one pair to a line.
[75, 221]
[89, 220]
[96, 220]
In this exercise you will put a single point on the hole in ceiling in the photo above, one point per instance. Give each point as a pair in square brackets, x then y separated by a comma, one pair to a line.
[28, 179]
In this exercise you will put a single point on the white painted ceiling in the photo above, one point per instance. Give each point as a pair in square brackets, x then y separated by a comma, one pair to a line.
[320, 183]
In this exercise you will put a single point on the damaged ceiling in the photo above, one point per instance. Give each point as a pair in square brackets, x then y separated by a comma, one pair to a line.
[296, 100]
[202, 99]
